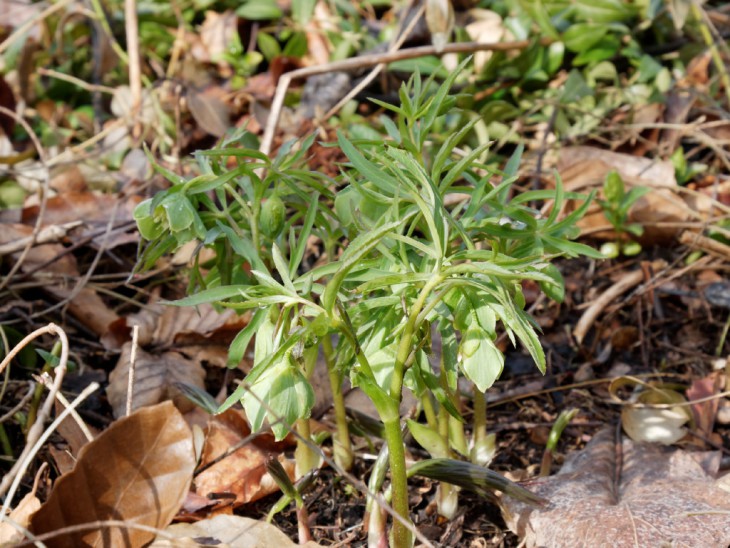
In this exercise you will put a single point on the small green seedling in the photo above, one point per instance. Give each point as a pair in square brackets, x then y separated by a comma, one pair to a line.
[616, 206]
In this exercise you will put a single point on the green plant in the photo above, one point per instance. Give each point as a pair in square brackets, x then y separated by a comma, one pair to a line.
[415, 240]
[616, 205]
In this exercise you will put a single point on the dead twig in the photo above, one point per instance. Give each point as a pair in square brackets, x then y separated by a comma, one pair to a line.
[588, 318]
[132, 365]
[43, 190]
[49, 234]
[36, 431]
[370, 60]
[131, 27]
[708, 245]
[378, 68]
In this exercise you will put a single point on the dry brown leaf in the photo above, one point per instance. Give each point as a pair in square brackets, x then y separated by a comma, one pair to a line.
[155, 378]
[227, 531]
[200, 333]
[21, 516]
[241, 476]
[211, 113]
[665, 496]
[138, 471]
[86, 306]
[93, 208]
[217, 32]
[704, 413]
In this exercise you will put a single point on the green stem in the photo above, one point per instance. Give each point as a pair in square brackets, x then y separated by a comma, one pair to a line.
[401, 534]
[35, 402]
[306, 458]
[406, 342]
[5, 442]
[342, 445]
[479, 422]
[429, 411]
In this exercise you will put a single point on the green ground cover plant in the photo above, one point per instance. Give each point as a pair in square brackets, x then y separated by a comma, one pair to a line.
[416, 240]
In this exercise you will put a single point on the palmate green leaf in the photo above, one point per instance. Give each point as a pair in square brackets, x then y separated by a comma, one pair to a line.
[481, 361]
[356, 251]
[280, 394]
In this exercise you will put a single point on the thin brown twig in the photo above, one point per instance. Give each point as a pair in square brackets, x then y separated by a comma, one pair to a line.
[76, 81]
[21, 403]
[370, 60]
[25, 27]
[83, 281]
[45, 380]
[44, 190]
[132, 368]
[378, 68]
[131, 26]
[100, 524]
[49, 234]
[36, 431]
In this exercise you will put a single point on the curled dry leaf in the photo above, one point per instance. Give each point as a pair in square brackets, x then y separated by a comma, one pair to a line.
[189, 330]
[137, 471]
[229, 531]
[21, 515]
[210, 112]
[241, 476]
[663, 496]
[155, 378]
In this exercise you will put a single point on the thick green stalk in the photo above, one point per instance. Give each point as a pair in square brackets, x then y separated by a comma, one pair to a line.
[306, 457]
[406, 343]
[429, 411]
[479, 424]
[401, 534]
[342, 445]
[448, 497]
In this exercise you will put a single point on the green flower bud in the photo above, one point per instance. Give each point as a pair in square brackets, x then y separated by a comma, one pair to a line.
[613, 187]
[272, 216]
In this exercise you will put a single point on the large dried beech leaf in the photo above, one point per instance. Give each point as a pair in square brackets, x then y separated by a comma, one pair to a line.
[584, 168]
[201, 332]
[240, 477]
[225, 531]
[155, 378]
[137, 471]
[664, 497]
